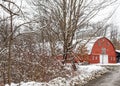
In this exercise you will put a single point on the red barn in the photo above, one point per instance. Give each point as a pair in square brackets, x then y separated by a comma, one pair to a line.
[102, 52]
[99, 50]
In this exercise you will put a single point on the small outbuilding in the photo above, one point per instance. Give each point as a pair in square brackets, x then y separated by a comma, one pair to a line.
[118, 56]
[102, 52]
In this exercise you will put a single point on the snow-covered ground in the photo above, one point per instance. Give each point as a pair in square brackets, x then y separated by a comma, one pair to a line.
[112, 64]
[79, 77]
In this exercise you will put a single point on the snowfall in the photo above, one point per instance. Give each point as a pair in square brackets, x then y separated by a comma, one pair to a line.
[83, 74]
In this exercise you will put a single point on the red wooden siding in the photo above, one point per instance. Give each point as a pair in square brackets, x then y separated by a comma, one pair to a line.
[103, 46]
[94, 59]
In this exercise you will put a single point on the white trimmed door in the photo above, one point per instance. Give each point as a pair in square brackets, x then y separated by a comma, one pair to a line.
[103, 59]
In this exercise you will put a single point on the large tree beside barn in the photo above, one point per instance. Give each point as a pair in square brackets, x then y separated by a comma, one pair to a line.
[65, 17]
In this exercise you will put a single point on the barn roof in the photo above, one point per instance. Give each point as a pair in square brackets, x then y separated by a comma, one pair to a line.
[88, 44]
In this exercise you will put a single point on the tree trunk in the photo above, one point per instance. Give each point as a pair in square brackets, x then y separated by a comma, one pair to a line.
[10, 46]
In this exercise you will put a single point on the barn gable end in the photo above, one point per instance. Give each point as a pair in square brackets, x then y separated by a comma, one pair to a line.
[103, 52]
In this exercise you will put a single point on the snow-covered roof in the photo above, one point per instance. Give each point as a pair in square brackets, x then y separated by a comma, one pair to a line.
[88, 44]
[118, 51]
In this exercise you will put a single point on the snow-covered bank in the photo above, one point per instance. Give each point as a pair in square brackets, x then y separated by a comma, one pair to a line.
[79, 77]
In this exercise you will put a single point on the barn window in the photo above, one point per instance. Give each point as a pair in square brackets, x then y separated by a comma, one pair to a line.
[111, 58]
[96, 57]
[103, 50]
[93, 58]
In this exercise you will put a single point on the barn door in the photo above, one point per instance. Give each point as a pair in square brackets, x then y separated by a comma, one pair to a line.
[103, 59]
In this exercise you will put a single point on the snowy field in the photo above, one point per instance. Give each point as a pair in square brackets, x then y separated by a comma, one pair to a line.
[79, 77]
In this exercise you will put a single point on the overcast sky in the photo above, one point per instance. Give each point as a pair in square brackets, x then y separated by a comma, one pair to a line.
[115, 19]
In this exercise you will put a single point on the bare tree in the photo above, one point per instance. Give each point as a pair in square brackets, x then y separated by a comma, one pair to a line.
[25, 58]
[68, 16]
[9, 32]
[114, 37]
